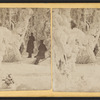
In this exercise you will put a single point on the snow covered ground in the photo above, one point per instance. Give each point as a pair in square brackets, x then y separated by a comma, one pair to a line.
[26, 75]
[85, 78]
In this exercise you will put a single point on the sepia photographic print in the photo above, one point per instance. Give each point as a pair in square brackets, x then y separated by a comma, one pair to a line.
[76, 49]
[25, 49]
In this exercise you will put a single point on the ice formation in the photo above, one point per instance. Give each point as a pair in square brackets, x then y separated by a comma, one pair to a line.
[62, 46]
[10, 41]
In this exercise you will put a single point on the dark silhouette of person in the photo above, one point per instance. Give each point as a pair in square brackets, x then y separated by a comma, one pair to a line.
[30, 45]
[41, 54]
[96, 49]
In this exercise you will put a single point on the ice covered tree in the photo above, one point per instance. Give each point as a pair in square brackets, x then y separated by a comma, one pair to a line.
[12, 39]
[16, 24]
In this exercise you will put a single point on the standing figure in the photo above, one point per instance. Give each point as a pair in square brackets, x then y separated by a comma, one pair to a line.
[96, 49]
[41, 54]
[30, 45]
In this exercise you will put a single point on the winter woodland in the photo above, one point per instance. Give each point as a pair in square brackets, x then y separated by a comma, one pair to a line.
[25, 49]
[17, 71]
[76, 51]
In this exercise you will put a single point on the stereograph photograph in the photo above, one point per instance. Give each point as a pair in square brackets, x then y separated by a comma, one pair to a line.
[25, 49]
[76, 49]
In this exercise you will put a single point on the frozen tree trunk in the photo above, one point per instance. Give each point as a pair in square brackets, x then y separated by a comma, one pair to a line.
[12, 40]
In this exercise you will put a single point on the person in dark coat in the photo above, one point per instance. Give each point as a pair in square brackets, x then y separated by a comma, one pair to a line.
[41, 54]
[30, 45]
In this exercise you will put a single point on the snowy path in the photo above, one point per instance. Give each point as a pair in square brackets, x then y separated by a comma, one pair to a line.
[85, 78]
[26, 75]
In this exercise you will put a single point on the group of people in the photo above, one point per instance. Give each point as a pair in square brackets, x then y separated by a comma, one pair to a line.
[41, 49]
